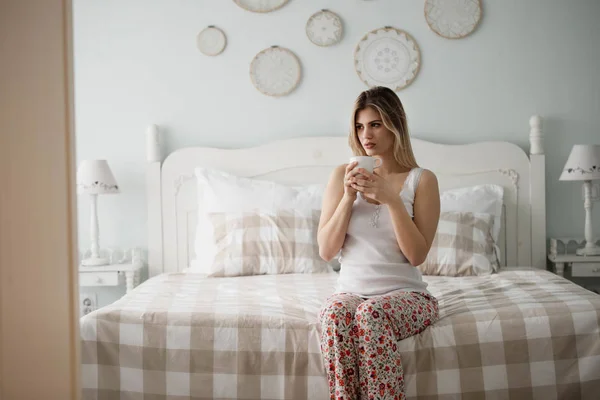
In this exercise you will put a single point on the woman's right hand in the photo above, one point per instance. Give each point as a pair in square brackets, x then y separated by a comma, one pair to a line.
[349, 191]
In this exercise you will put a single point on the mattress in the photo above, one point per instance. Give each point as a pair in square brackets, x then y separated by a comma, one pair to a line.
[520, 333]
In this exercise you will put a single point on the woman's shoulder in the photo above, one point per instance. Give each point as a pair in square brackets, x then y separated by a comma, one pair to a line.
[427, 181]
[337, 175]
[339, 170]
[426, 173]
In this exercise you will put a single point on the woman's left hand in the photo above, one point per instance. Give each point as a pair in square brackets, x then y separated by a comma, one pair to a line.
[373, 186]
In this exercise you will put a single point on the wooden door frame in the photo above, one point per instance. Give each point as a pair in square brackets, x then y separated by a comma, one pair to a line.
[39, 324]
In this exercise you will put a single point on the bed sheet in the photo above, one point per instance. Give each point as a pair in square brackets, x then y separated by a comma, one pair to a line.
[520, 333]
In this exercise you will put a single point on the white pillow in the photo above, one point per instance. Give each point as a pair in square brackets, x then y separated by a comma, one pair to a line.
[487, 198]
[222, 192]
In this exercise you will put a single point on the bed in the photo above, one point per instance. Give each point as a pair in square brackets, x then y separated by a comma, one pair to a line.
[519, 333]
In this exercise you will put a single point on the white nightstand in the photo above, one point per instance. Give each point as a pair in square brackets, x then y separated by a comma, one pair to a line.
[109, 275]
[562, 255]
[581, 267]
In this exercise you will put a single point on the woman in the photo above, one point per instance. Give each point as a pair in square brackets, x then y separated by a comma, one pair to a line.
[383, 223]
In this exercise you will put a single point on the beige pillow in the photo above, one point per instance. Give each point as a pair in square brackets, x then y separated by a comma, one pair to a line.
[265, 242]
[463, 246]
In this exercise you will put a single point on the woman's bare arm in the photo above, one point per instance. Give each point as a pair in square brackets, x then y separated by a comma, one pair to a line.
[335, 214]
[415, 236]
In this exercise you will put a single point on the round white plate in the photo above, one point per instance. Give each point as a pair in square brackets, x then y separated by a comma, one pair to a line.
[324, 28]
[211, 41]
[275, 71]
[261, 6]
[387, 57]
[452, 19]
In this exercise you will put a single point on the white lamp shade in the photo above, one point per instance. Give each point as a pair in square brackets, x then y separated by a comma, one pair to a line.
[583, 163]
[95, 177]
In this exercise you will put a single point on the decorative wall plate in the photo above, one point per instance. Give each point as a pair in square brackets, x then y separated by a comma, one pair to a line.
[275, 71]
[387, 57]
[453, 19]
[324, 28]
[211, 41]
[261, 6]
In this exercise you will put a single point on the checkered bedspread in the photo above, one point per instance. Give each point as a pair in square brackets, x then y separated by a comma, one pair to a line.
[516, 334]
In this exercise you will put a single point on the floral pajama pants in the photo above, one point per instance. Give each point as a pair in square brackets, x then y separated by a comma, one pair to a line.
[359, 341]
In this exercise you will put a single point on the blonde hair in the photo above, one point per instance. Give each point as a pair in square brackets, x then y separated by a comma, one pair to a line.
[389, 106]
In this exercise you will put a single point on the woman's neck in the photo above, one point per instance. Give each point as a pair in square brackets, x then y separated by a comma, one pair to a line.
[389, 166]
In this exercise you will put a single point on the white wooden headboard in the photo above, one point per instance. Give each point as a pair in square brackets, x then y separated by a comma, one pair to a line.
[171, 187]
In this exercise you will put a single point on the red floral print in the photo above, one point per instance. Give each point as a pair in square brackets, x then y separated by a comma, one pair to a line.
[358, 341]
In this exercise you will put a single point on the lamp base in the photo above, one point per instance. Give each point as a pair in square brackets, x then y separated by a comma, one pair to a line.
[588, 251]
[93, 262]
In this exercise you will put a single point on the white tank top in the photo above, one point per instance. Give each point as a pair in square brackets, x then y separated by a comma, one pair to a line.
[372, 263]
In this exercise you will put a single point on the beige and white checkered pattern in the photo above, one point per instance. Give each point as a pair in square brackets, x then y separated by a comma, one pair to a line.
[257, 243]
[462, 246]
[515, 334]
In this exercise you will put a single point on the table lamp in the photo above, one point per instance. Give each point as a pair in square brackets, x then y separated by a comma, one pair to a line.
[583, 164]
[94, 177]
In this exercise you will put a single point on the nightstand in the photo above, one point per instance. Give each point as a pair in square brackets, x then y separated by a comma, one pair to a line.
[581, 266]
[562, 254]
[110, 275]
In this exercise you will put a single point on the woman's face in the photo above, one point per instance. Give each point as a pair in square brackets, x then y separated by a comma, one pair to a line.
[374, 137]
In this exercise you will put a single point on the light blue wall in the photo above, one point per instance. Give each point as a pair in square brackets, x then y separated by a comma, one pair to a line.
[136, 63]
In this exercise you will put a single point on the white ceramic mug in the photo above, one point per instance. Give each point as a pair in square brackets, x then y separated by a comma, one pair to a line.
[366, 162]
